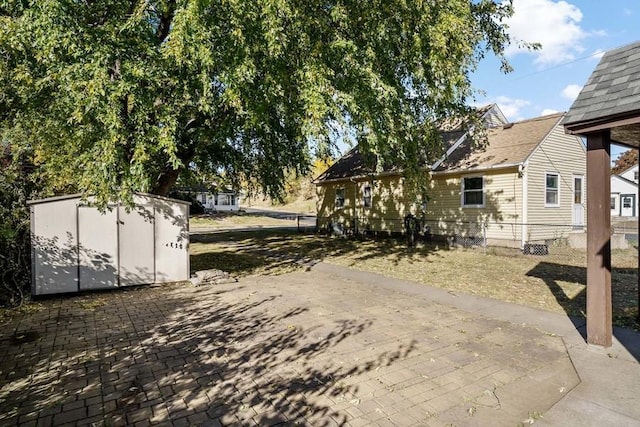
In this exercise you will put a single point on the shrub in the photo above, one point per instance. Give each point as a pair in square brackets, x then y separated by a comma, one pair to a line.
[15, 258]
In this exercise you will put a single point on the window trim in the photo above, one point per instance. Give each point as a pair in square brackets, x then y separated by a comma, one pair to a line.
[335, 200]
[463, 192]
[557, 189]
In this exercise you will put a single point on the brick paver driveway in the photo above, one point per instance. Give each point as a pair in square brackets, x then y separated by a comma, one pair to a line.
[312, 348]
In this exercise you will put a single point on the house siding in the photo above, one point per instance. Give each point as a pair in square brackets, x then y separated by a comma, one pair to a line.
[501, 212]
[565, 155]
[619, 188]
[444, 214]
[630, 174]
[513, 171]
[388, 205]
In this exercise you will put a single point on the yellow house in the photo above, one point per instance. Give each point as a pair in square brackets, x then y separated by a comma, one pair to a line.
[526, 186]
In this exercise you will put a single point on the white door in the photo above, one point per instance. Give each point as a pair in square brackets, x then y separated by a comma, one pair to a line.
[627, 204]
[97, 248]
[578, 205]
[136, 244]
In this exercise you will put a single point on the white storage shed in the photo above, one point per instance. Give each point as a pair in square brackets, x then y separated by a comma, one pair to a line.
[75, 247]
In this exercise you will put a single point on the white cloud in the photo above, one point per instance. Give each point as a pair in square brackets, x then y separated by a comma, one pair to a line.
[548, 111]
[571, 92]
[553, 24]
[511, 106]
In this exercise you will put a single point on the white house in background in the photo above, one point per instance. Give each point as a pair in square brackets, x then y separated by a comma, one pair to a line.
[220, 200]
[624, 193]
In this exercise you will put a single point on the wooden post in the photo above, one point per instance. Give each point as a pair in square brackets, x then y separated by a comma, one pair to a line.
[599, 321]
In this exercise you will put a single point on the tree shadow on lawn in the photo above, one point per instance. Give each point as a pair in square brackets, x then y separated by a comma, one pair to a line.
[185, 354]
[623, 294]
[274, 251]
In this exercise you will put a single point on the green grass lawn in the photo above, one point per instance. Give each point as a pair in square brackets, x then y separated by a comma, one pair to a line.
[555, 282]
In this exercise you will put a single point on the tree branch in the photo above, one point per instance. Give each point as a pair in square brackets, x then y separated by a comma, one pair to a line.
[165, 21]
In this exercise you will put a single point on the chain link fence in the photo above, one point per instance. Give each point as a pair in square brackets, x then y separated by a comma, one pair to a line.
[529, 238]
[306, 223]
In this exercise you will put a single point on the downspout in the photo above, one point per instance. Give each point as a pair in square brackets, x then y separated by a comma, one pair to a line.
[525, 202]
[355, 200]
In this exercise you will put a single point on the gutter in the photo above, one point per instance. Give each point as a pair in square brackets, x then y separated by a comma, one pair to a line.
[480, 169]
[357, 177]
[435, 173]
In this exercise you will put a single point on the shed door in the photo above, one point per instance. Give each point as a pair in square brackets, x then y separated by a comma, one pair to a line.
[136, 245]
[172, 241]
[97, 248]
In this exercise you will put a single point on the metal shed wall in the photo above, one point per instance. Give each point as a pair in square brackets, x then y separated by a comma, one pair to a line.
[76, 247]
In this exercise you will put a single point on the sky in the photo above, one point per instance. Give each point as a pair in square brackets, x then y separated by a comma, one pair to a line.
[574, 35]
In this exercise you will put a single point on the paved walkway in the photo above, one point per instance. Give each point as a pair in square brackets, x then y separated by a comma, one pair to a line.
[330, 346]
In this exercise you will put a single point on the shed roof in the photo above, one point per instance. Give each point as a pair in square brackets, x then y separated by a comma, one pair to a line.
[611, 97]
[79, 196]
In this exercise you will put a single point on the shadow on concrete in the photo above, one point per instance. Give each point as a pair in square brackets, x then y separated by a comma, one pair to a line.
[175, 356]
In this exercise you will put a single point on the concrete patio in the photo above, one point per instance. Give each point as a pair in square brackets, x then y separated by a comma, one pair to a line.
[330, 346]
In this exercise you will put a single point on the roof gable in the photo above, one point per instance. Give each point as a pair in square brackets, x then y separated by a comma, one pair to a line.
[629, 170]
[508, 145]
[623, 179]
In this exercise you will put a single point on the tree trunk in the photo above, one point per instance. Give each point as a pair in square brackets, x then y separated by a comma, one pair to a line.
[169, 176]
[165, 182]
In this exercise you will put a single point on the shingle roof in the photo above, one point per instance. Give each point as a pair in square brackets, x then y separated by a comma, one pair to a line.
[613, 88]
[507, 145]
[353, 163]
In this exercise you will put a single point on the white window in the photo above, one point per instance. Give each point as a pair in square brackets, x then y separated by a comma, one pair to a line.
[552, 189]
[366, 196]
[473, 191]
[339, 197]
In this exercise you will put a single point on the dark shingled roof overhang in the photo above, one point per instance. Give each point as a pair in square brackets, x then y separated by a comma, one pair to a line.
[611, 98]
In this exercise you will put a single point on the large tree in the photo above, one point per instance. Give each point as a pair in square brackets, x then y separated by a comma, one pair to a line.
[116, 96]
[625, 161]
